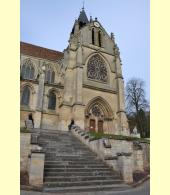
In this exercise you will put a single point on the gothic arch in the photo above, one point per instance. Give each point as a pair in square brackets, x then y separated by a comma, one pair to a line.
[29, 85]
[58, 95]
[102, 104]
[57, 92]
[50, 73]
[28, 63]
[32, 93]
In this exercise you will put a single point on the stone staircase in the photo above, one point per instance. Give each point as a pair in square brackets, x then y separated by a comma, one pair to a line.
[71, 167]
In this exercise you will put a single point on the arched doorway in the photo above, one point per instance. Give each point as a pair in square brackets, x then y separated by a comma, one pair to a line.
[98, 115]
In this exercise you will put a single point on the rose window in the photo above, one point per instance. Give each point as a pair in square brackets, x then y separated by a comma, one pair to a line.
[96, 111]
[96, 69]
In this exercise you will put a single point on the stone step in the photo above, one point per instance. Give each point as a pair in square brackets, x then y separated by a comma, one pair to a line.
[51, 149]
[55, 145]
[70, 166]
[59, 162]
[48, 131]
[67, 153]
[113, 187]
[59, 138]
[64, 147]
[101, 173]
[71, 158]
[116, 178]
[59, 142]
[80, 159]
[74, 156]
[76, 169]
[74, 166]
[81, 183]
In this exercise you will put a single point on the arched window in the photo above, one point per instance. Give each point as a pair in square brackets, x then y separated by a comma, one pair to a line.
[32, 73]
[100, 39]
[96, 111]
[96, 69]
[49, 75]
[52, 101]
[23, 70]
[27, 71]
[93, 36]
[25, 96]
[52, 77]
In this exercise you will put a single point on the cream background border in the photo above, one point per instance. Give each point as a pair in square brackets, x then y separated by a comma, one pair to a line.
[160, 96]
[9, 97]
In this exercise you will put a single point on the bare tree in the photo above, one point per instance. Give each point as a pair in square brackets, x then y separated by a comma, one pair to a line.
[136, 102]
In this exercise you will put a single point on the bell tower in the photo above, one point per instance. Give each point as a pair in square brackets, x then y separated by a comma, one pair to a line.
[93, 78]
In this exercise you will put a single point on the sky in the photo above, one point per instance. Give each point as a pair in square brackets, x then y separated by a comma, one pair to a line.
[48, 23]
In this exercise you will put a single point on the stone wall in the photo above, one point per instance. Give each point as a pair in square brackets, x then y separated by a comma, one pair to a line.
[25, 148]
[146, 155]
[123, 156]
[36, 169]
[31, 159]
[50, 121]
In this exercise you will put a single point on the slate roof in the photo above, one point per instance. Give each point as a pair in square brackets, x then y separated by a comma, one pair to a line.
[83, 17]
[40, 52]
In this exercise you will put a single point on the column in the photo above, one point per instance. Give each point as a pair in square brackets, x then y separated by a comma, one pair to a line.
[78, 108]
[39, 108]
[123, 124]
[126, 166]
[36, 171]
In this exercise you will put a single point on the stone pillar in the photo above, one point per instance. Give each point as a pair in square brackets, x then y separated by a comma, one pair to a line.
[138, 160]
[69, 90]
[123, 124]
[79, 75]
[25, 147]
[78, 115]
[65, 117]
[79, 80]
[36, 171]
[45, 103]
[126, 166]
[39, 108]
[68, 86]
[78, 107]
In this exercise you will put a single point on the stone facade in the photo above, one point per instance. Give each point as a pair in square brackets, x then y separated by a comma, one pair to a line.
[83, 83]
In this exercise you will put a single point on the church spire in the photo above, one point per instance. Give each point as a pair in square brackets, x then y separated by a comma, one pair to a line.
[81, 22]
[83, 6]
[82, 19]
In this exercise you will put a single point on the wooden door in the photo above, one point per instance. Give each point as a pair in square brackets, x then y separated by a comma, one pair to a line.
[92, 125]
[100, 126]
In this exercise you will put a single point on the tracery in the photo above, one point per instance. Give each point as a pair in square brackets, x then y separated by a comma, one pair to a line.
[96, 69]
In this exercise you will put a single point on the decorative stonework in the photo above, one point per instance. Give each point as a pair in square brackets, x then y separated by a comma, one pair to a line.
[96, 69]
[27, 71]
[96, 111]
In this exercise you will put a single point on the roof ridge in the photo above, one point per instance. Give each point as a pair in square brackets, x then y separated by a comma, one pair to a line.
[41, 52]
[21, 42]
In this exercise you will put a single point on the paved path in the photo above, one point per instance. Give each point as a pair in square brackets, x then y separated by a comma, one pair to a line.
[144, 189]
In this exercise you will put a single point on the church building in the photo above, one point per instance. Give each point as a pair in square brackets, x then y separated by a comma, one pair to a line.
[83, 83]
